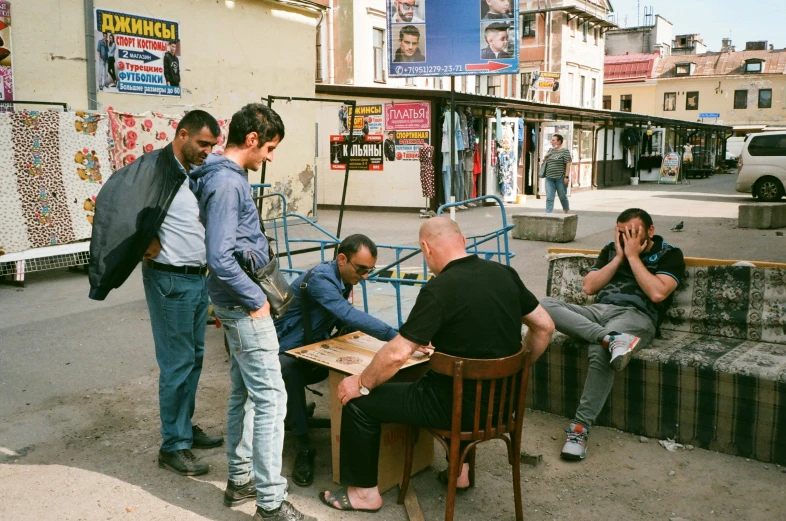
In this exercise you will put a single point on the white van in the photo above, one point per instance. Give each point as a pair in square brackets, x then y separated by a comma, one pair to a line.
[762, 166]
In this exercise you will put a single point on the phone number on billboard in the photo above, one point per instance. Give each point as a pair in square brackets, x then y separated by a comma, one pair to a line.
[428, 69]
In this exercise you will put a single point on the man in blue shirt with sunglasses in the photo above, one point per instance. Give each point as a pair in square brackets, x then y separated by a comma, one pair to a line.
[327, 290]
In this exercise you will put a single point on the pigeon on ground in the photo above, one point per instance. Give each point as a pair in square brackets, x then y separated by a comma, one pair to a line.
[679, 227]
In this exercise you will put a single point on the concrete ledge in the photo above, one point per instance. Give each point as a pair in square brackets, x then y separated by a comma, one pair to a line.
[545, 227]
[762, 216]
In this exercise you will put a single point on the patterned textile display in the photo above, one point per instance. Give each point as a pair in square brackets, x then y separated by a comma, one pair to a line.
[426, 156]
[715, 378]
[135, 134]
[52, 165]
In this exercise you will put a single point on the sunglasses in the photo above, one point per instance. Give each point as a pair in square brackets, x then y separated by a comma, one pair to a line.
[361, 270]
[408, 7]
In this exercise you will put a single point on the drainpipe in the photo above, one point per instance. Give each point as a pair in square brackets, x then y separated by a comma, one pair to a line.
[331, 57]
[90, 53]
[596, 131]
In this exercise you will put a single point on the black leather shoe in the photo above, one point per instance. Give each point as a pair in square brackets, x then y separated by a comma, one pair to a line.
[286, 512]
[201, 440]
[183, 462]
[303, 471]
[237, 494]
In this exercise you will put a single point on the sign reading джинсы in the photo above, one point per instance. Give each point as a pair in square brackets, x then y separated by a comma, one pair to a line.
[450, 38]
[137, 54]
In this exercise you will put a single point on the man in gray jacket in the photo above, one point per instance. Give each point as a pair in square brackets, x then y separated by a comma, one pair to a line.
[233, 235]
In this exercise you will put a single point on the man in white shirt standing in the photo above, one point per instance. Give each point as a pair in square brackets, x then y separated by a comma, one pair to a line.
[173, 272]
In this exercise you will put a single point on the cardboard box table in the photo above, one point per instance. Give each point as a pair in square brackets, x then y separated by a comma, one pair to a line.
[350, 355]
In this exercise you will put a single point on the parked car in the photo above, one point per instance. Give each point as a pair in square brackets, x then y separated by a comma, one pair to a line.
[761, 167]
[731, 159]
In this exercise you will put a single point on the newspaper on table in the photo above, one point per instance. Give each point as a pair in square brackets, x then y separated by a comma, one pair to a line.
[348, 354]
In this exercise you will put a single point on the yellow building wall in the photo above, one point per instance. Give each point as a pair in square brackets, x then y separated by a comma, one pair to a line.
[716, 95]
[230, 56]
[644, 96]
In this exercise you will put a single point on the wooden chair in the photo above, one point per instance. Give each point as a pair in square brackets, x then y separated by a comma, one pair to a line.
[510, 375]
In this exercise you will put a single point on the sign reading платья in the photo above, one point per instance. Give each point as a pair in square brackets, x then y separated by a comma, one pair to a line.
[452, 38]
[137, 54]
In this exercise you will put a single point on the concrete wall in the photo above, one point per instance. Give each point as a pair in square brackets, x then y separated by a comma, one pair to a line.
[641, 39]
[230, 57]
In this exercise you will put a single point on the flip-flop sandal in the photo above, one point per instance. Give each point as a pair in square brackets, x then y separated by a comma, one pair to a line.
[442, 476]
[342, 498]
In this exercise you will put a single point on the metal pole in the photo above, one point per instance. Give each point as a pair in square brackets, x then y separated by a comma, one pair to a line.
[452, 142]
[90, 48]
[264, 165]
[346, 175]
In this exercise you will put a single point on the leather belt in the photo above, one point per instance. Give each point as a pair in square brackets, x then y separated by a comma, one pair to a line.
[182, 270]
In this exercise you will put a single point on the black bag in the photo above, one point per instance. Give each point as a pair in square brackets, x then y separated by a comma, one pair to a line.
[272, 282]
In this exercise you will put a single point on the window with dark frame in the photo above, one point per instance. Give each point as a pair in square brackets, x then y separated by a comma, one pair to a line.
[741, 99]
[754, 66]
[584, 31]
[682, 69]
[626, 103]
[582, 90]
[526, 84]
[494, 85]
[528, 25]
[692, 100]
[669, 101]
[606, 102]
[379, 55]
[477, 84]
[765, 98]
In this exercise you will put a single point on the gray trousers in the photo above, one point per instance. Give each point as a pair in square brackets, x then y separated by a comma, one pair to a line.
[592, 323]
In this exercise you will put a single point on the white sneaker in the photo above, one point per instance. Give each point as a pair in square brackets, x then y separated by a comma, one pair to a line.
[621, 346]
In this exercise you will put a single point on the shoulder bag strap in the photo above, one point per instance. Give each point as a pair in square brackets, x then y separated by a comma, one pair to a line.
[306, 309]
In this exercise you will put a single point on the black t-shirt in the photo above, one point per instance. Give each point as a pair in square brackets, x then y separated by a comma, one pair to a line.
[623, 290]
[473, 309]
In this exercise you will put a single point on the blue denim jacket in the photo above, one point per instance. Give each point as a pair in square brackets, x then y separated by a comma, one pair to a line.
[328, 308]
[232, 232]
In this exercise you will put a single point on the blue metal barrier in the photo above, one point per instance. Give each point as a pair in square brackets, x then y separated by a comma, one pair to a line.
[281, 224]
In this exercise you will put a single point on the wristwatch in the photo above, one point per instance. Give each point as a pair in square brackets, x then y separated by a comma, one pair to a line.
[364, 391]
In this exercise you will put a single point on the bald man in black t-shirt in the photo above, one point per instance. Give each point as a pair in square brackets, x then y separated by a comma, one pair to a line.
[473, 308]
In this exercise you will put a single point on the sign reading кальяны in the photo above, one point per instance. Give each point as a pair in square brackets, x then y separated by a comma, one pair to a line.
[137, 54]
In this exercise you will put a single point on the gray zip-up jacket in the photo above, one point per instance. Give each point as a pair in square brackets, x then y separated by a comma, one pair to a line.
[233, 233]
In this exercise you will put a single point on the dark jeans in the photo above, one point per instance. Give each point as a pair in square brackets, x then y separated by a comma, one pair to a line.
[110, 65]
[297, 375]
[178, 312]
[413, 403]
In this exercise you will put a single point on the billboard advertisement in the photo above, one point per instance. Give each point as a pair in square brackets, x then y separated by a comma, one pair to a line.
[449, 38]
[6, 69]
[364, 152]
[137, 54]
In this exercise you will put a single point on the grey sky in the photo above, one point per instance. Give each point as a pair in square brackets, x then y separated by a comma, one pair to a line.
[762, 20]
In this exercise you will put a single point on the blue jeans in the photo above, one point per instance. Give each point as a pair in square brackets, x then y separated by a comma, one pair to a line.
[257, 405]
[556, 186]
[178, 312]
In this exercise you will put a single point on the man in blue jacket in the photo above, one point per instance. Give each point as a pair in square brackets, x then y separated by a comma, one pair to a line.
[328, 287]
[233, 235]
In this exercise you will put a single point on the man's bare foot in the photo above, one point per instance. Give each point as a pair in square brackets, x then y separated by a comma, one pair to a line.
[359, 498]
[463, 479]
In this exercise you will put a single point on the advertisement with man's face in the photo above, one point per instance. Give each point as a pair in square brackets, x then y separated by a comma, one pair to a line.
[440, 37]
[137, 54]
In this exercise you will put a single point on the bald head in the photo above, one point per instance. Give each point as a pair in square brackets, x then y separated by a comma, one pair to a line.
[442, 242]
[439, 227]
